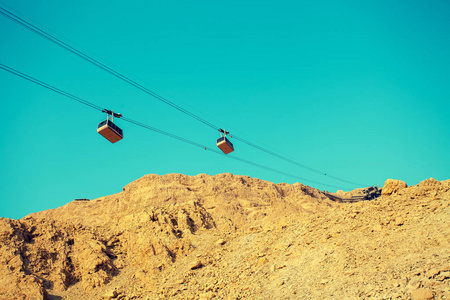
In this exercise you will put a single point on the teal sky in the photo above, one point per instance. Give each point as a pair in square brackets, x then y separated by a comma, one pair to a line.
[357, 89]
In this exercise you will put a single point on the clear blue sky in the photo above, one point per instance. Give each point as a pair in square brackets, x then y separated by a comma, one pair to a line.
[358, 89]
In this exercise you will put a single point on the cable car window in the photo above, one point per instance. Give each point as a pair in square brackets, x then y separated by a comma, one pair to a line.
[101, 124]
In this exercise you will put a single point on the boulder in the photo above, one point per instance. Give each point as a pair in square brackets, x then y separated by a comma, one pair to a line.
[392, 186]
[422, 294]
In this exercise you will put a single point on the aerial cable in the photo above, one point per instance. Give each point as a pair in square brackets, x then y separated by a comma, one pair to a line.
[92, 60]
[220, 153]
[34, 80]
[292, 161]
[96, 107]
[164, 133]
[277, 171]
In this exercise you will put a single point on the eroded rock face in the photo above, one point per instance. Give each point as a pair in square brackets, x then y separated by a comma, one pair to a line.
[49, 254]
[392, 186]
[15, 282]
[227, 236]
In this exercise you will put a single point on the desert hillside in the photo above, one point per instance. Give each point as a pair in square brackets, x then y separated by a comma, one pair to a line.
[232, 237]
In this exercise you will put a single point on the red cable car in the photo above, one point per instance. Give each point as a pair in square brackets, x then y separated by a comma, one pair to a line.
[108, 129]
[223, 143]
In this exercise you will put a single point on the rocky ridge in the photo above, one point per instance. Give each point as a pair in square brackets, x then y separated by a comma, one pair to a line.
[232, 237]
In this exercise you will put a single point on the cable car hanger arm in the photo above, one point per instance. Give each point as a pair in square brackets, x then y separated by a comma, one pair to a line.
[112, 113]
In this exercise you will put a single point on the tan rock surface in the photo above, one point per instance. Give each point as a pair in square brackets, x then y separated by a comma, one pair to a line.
[231, 237]
[392, 186]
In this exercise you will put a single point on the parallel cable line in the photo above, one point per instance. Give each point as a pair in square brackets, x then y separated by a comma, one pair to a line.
[94, 61]
[43, 84]
[293, 162]
[182, 139]
[154, 129]
[276, 171]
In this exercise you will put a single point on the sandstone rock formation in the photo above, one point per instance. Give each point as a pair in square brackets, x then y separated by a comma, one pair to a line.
[392, 186]
[232, 237]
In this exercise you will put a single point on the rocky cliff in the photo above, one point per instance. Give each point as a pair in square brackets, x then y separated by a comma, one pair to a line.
[232, 237]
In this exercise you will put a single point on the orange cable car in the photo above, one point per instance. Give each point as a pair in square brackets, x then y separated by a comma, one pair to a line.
[223, 143]
[108, 129]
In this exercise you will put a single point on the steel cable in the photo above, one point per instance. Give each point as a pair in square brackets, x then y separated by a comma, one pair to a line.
[154, 129]
[92, 60]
